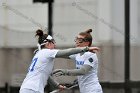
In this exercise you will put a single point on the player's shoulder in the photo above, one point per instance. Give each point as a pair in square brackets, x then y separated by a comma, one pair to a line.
[43, 51]
[46, 51]
[91, 56]
[49, 50]
[89, 53]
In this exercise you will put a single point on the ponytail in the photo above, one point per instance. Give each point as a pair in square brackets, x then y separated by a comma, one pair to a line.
[39, 33]
[41, 36]
[88, 31]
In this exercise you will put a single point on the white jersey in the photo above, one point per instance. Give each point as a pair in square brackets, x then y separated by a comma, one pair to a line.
[89, 82]
[39, 70]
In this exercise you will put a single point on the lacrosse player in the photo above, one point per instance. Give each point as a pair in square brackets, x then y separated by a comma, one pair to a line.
[86, 64]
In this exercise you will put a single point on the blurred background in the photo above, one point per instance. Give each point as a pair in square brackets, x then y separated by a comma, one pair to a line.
[117, 36]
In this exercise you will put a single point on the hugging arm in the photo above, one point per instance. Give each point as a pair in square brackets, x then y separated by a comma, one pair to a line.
[67, 52]
[70, 51]
[52, 82]
[73, 72]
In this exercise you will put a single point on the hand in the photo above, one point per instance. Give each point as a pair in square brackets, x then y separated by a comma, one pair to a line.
[59, 72]
[61, 87]
[94, 49]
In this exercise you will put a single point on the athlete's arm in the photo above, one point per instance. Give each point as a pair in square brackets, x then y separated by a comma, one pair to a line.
[55, 84]
[52, 82]
[70, 51]
[73, 72]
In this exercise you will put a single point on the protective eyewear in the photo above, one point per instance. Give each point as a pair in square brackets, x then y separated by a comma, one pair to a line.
[81, 40]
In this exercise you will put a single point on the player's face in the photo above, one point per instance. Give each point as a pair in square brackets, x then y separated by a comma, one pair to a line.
[50, 45]
[80, 42]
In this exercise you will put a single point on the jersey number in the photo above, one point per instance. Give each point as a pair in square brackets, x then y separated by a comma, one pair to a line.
[33, 64]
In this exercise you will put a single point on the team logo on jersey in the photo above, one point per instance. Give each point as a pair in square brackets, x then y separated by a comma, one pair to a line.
[79, 62]
[90, 60]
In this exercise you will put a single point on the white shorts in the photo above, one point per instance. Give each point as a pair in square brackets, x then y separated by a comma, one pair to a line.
[28, 91]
